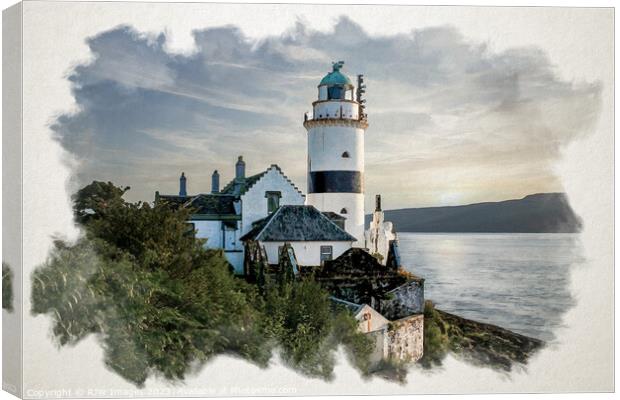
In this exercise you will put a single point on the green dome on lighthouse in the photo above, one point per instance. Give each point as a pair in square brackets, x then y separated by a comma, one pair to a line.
[336, 77]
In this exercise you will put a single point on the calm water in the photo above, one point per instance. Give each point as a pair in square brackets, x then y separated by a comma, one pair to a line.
[517, 281]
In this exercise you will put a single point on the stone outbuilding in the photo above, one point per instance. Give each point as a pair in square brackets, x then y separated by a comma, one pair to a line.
[401, 340]
[358, 277]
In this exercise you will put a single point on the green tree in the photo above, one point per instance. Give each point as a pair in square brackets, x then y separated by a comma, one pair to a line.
[301, 320]
[156, 298]
[436, 340]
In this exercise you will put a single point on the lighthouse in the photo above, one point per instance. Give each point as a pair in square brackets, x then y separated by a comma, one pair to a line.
[336, 150]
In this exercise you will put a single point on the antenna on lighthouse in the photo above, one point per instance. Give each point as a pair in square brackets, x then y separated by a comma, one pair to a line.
[359, 92]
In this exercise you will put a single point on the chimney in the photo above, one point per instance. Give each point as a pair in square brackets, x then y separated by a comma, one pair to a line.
[182, 185]
[240, 169]
[378, 202]
[215, 182]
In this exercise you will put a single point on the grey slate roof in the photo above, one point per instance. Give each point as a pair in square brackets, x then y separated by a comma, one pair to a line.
[240, 188]
[213, 204]
[297, 224]
[173, 200]
[203, 204]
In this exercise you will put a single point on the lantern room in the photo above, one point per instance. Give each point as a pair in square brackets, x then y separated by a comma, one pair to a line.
[335, 85]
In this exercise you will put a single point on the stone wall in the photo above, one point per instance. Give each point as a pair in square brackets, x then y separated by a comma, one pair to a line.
[404, 300]
[405, 339]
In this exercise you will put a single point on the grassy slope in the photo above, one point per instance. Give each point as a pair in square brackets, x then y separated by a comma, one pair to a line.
[475, 342]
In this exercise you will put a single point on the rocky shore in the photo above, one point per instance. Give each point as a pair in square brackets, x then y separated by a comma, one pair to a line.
[475, 342]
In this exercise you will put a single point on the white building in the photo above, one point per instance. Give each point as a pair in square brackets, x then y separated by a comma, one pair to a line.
[315, 237]
[335, 191]
[222, 217]
[336, 150]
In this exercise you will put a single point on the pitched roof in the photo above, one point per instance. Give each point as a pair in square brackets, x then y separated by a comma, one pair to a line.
[221, 204]
[296, 224]
[213, 204]
[203, 204]
[241, 187]
[173, 201]
[359, 263]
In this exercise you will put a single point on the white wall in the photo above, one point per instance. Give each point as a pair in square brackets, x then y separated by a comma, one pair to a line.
[254, 203]
[380, 350]
[218, 239]
[375, 322]
[231, 238]
[327, 143]
[307, 253]
[235, 258]
[211, 230]
[331, 109]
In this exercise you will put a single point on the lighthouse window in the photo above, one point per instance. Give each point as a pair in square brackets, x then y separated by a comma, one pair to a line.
[343, 211]
[326, 253]
[335, 93]
[273, 201]
[345, 154]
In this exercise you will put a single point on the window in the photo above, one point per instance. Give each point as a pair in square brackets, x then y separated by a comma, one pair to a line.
[326, 253]
[343, 211]
[335, 92]
[273, 201]
[345, 154]
[191, 229]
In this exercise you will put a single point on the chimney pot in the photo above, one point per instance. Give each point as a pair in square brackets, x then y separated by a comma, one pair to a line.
[183, 185]
[240, 169]
[215, 182]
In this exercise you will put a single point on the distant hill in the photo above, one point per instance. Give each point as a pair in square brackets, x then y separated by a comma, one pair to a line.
[542, 212]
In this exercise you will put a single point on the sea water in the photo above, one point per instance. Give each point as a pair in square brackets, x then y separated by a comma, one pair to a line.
[519, 281]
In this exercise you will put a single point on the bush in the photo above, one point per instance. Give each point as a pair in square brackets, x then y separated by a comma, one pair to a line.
[436, 341]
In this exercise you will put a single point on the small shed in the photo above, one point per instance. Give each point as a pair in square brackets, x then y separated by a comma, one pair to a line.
[401, 340]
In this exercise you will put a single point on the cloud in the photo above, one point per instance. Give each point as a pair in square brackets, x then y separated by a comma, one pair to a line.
[446, 115]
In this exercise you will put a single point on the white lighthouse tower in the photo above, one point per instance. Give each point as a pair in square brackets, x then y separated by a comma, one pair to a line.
[336, 150]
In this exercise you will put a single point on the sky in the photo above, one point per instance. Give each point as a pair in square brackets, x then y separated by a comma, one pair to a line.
[452, 121]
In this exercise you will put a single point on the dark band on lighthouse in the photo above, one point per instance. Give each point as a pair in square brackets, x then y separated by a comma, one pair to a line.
[335, 182]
